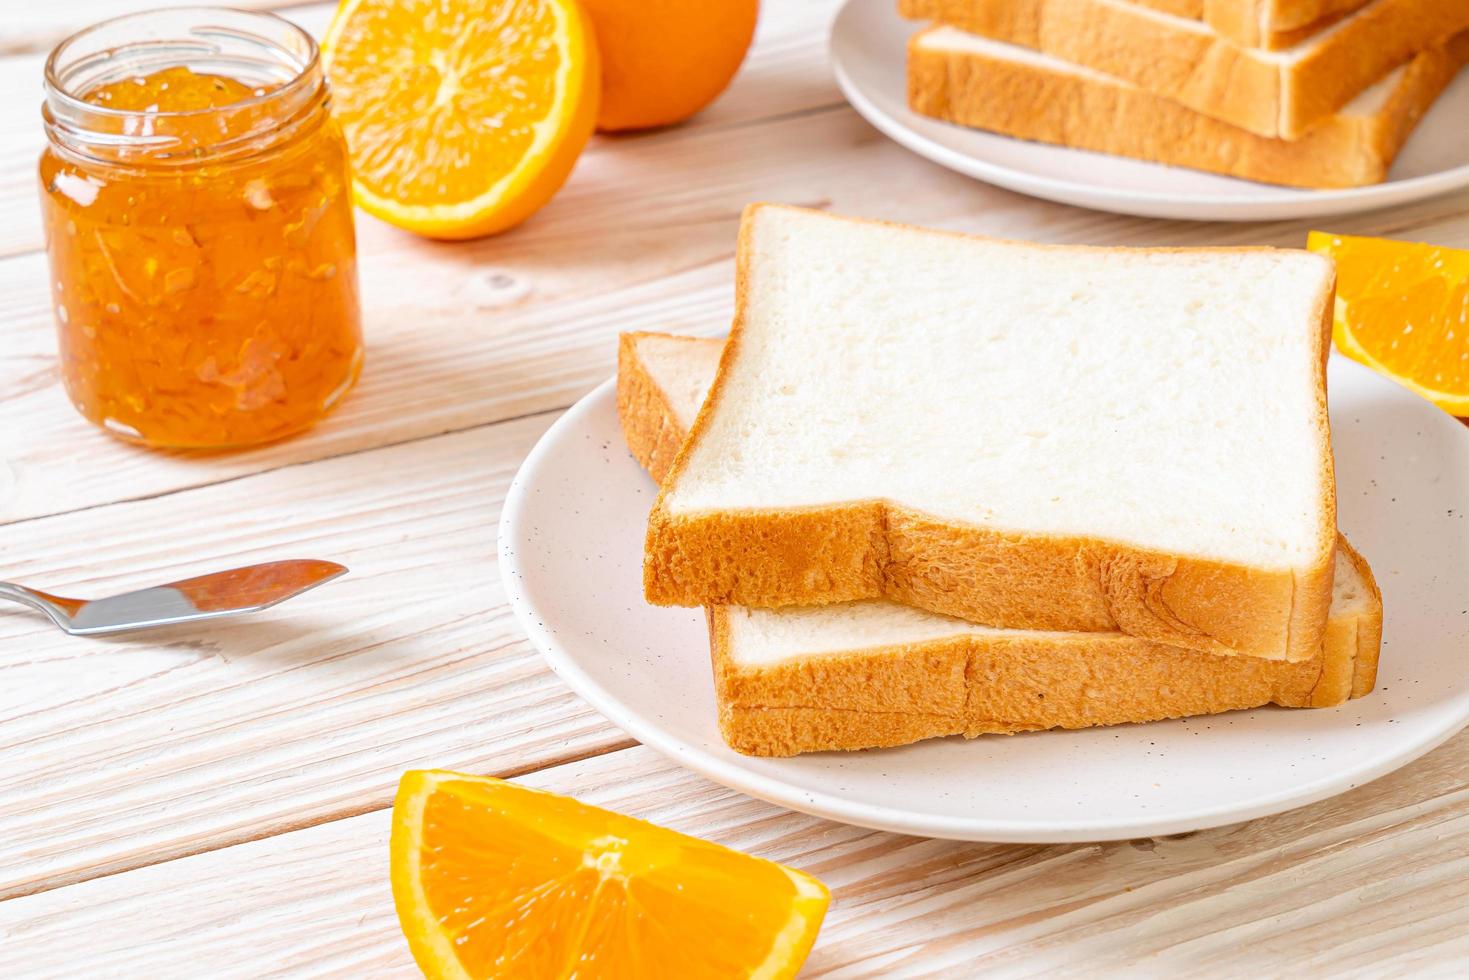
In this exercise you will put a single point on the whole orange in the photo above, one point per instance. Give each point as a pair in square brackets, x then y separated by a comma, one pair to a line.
[664, 60]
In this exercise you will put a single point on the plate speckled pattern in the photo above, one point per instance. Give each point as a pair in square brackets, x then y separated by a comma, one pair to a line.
[571, 542]
[868, 41]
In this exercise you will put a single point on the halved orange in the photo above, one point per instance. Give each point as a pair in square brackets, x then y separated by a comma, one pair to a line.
[1402, 308]
[463, 116]
[494, 879]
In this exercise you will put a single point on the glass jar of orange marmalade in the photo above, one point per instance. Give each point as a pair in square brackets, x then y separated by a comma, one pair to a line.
[198, 220]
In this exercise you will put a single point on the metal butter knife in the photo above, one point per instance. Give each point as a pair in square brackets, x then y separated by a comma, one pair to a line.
[239, 590]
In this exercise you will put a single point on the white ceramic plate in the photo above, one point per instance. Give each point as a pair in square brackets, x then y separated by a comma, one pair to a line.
[571, 544]
[867, 51]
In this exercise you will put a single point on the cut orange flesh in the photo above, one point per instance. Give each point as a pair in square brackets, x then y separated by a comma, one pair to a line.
[1403, 309]
[494, 879]
[463, 116]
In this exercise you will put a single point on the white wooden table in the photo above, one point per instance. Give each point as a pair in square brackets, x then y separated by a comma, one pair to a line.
[214, 802]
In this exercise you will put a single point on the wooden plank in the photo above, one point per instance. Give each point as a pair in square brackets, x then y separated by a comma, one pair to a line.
[1375, 880]
[37, 27]
[119, 753]
[21, 140]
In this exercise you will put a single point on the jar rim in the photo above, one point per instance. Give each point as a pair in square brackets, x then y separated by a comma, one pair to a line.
[305, 71]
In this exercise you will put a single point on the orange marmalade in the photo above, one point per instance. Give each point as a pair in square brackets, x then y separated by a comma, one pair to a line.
[198, 220]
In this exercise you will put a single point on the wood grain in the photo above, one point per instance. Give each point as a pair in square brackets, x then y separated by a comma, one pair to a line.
[1321, 891]
[123, 753]
[37, 27]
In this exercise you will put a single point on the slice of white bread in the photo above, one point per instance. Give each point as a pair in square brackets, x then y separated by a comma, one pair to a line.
[974, 81]
[1041, 437]
[1269, 24]
[865, 674]
[1278, 94]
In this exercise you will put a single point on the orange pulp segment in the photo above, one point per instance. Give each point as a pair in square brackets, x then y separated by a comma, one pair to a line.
[463, 116]
[1402, 308]
[494, 879]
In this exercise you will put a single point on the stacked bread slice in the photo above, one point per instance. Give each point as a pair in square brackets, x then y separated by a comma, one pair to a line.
[861, 675]
[948, 485]
[1311, 93]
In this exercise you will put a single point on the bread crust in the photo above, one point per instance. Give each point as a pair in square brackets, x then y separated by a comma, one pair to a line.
[1029, 102]
[901, 693]
[780, 732]
[1275, 26]
[980, 684]
[649, 423]
[1281, 15]
[1268, 24]
[1011, 579]
[1205, 71]
[1192, 9]
[1367, 645]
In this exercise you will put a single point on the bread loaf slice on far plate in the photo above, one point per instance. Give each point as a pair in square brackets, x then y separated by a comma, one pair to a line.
[1040, 437]
[1271, 93]
[865, 674]
[967, 79]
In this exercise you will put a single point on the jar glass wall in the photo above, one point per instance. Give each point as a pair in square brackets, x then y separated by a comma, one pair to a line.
[198, 218]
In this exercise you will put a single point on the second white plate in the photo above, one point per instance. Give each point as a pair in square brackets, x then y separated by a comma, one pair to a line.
[868, 41]
[571, 547]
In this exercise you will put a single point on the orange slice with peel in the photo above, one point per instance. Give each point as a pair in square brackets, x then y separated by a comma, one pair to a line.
[1402, 309]
[463, 116]
[494, 879]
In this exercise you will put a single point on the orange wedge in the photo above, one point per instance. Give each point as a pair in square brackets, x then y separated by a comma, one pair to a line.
[463, 116]
[1403, 309]
[493, 879]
